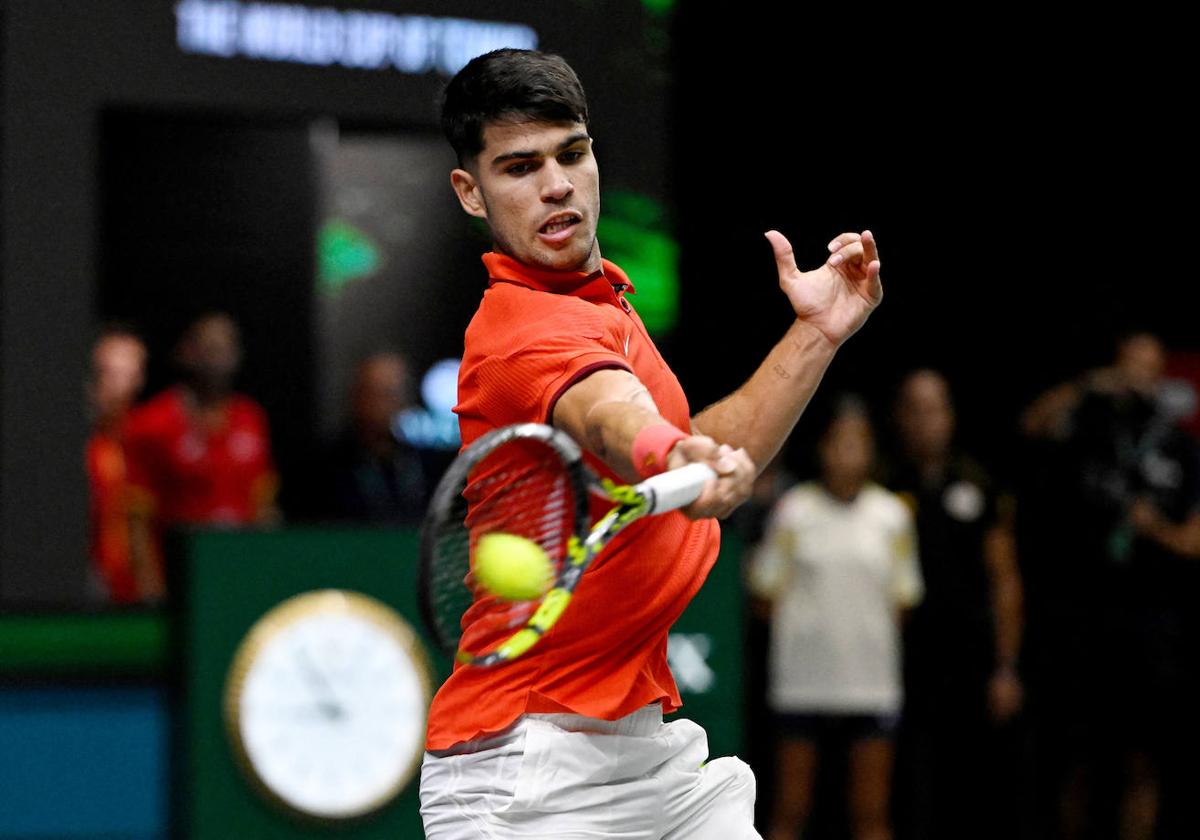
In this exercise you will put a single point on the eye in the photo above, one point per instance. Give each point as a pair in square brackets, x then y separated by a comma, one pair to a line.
[519, 168]
[571, 156]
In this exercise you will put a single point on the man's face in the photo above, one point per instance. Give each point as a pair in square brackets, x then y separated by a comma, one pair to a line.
[118, 371]
[926, 415]
[538, 187]
[379, 394]
[847, 450]
[1141, 361]
[212, 352]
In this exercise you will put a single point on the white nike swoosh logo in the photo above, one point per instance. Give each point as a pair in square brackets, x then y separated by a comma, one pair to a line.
[626, 345]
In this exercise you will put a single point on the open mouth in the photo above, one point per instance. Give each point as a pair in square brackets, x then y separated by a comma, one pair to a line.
[559, 224]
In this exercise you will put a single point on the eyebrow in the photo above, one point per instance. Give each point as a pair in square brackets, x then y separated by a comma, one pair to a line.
[570, 141]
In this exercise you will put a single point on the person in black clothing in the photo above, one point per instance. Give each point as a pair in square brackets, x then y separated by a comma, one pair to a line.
[1115, 523]
[371, 475]
[962, 641]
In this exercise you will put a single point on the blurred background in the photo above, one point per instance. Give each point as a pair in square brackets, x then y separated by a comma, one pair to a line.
[233, 289]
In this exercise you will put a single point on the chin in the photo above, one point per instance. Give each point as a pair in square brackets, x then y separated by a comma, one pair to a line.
[567, 262]
[571, 259]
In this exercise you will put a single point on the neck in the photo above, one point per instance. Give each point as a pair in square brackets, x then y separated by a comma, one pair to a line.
[590, 263]
[206, 396]
[843, 489]
[111, 421]
[380, 443]
[930, 465]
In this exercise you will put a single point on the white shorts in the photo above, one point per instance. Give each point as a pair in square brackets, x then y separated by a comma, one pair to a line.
[560, 777]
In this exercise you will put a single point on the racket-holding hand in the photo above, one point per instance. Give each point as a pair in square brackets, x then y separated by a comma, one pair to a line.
[735, 475]
[837, 297]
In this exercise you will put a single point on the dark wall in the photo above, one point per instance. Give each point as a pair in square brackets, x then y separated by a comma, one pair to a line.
[1024, 182]
[65, 65]
[200, 213]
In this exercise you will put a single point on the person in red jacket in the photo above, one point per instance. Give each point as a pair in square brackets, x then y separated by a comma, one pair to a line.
[118, 373]
[198, 453]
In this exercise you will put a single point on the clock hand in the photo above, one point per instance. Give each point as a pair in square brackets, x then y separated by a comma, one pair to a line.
[328, 705]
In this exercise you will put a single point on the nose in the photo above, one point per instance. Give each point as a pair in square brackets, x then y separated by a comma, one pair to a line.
[556, 186]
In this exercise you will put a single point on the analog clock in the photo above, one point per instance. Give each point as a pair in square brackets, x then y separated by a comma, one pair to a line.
[325, 704]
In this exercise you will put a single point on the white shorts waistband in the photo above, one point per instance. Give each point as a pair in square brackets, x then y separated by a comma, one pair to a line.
[645, 721]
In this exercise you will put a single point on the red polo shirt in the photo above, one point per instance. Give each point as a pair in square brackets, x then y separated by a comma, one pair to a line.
[536, 333]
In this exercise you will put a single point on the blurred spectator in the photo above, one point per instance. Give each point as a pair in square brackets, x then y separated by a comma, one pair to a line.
[371, 476]
[962, 642]
[839, 564]
[1116, 528]
[198, 453]
[118, 374]
[749, 523]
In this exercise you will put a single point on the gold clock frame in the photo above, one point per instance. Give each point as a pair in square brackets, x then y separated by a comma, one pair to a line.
[278, 619]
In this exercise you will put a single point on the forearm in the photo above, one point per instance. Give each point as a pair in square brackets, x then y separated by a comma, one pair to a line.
[1047, 416]
[1182, 539]
[1006, 595]
[761, 414]
[609, 432]
[612, 415]
[604, 414]
[143, 558]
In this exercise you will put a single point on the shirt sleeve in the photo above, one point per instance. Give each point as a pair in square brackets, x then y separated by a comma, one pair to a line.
[143, 469]
[523, 385]
[265, 486]
[908, 587]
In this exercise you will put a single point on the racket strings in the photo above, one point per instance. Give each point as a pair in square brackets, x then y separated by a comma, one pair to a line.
[522, 489]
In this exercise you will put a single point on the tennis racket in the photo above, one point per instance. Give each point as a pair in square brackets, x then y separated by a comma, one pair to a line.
[529, 480]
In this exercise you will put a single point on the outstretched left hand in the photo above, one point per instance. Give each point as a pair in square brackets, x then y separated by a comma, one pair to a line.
[836, 298]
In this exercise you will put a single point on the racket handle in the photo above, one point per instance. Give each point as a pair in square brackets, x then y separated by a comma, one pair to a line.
[675, 488]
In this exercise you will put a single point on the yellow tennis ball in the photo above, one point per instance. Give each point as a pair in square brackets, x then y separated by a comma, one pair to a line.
[512, 567]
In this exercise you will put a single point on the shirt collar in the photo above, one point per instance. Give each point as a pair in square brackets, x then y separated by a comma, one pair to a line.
[503, 268]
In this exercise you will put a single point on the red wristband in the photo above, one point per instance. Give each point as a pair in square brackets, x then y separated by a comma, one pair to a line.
[651, 447]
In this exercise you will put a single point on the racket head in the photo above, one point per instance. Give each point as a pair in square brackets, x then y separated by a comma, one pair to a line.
[529, 480]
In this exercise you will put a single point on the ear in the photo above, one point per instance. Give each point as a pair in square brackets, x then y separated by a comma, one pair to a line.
[466, 187]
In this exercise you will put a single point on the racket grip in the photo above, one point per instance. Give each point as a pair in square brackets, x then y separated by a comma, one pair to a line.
[675, 488]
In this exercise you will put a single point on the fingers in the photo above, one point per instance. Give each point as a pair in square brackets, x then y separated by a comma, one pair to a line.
[691, 449]
[785, 257]
[851, 252]
[733, 485]
[871, 258]
[870, 248]
[735, 475]
[853, 248]
[842, 241]
[863, 244]
[858, 251]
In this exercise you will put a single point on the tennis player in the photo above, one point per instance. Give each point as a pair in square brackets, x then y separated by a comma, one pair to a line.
[569, 741]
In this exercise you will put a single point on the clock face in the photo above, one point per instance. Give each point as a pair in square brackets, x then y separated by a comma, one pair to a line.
[326, 704]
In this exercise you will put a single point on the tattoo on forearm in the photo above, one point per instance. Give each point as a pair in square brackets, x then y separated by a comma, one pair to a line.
[781, 372]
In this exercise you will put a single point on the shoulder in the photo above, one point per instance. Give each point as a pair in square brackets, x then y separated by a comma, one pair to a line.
[800, 500]
[511, 317]
[158, 415]
[886, 504]
[247, 408]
